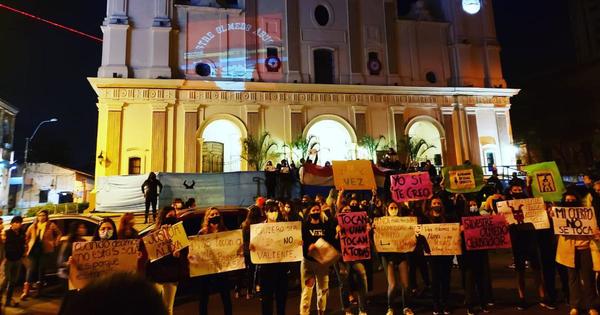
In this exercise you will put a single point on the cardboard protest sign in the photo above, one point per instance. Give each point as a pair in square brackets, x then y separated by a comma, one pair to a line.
[276, 242]
[410, 187]
[521, 211]
[574, 221]
[324, 253]
[463, 178]
[395, 234]
[216, 253]
[353, 175]
[354, 237]
[165, 241]
[94, 259]
[440, 239]
[486, 232]
[546, 181]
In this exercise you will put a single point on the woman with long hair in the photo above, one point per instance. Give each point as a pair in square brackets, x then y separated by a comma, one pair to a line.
[213, 223]
[77, 231]
[396, 266]
[106, 230]
[126, 230]
[254, 216]
[168, 271]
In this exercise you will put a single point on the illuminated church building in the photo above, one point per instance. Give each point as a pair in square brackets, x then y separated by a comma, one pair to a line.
[182, 82]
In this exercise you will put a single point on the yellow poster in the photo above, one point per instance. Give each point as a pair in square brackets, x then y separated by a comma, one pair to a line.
[216, 253]
[439, 239]
[276, 242]
[462, 179]
[353, 175]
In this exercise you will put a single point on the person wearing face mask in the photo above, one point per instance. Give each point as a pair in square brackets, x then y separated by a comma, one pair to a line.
[352, 275]
[524, 246]
[248, 280]
[475, 265]
[581, 256]
[289, 213]
[440, 266]
[213, 223]
[168, 271]
[273, 278]
[42, 238]
[396, 266]
[315, 226]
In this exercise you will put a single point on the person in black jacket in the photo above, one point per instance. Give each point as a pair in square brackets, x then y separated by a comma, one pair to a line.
[151, 188]
[14, 250]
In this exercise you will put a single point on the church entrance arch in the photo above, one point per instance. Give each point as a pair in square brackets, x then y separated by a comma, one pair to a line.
[221, 138]
[335, 137]
[431, 132]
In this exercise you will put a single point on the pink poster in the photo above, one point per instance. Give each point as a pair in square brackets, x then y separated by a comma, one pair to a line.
[486, 232]
[354, 236]
[411, 186]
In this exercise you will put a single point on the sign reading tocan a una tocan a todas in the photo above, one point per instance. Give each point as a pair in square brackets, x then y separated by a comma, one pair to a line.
[354, 236]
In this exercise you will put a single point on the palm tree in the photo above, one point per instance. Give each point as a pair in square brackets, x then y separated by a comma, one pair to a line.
[304, 145]
[371, 144]
[414, 148]
[258, 151]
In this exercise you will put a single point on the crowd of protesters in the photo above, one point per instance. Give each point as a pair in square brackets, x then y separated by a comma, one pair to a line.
[575, 260]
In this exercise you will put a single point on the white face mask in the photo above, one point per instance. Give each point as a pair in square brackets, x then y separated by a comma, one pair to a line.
[272, 215]
[473, 208]
[393, 212]
[106, 234]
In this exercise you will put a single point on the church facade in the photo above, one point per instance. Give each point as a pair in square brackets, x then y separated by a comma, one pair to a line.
[182, 83]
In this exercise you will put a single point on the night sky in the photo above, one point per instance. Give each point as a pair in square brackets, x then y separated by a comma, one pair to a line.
[43, 69]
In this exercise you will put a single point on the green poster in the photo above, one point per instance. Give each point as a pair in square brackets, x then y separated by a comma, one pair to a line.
[546, 181]
[463, 178]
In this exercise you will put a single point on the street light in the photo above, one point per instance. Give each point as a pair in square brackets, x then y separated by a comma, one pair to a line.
[27, 140]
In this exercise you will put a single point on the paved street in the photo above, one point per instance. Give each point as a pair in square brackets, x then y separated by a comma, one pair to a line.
[503, 290]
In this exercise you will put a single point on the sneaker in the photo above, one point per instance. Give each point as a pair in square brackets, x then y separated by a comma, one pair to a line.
[446, 311]
[408, 311]
[521, 305]
[490, 304]
[511, 266]
[485, 309]
[574, 311]
[348, 313]
[390, 312]
[470, 311]
[593, 312]
[548, 305]
[362, 313]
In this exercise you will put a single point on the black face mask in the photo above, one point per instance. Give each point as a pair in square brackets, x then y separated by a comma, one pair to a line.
[355, 208]
[315, 216]
[215, 220]
[519, 196]
[571, 204]
[170, 220]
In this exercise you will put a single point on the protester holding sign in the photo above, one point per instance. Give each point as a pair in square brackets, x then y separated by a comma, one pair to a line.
[475, 263]
[248, 280]
[581, 256]
[396, 265]
[524, 247]
[213, 223]
[440, 266]
[107, 230]
[353, 233]
[315, 227]
[169, 270]
[273, 278]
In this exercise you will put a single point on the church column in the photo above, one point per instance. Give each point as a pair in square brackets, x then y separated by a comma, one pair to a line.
[159, 132]
[360, 121]
[109, 138]
[254, 120]
[190, 146]
[473, 135]
[115, 38]
[397, 125]
[505, 145]
[452, 130]
[160, 35]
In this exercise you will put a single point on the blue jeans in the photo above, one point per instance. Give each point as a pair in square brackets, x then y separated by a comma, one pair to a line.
[353, 277]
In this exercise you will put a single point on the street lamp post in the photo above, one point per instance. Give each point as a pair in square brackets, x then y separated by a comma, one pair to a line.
[26, 155]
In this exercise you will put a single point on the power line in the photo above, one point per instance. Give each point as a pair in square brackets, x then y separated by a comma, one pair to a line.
[72, 30]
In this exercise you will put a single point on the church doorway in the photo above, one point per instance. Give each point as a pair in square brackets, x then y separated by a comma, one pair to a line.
[222, 146]
[431, 146]
[335, 137]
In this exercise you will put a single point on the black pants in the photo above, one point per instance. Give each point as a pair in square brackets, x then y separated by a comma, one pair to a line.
[151, 200]
[547, 246]
[476, 268]
[218, 283]
[441, 267]
[582, 283]
[274, 283]
[417, 261]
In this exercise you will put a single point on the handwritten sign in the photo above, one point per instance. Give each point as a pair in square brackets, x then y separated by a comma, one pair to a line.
[94, 259]
[521, 211]
[354, 236]
[440, 239]
[165, 241]
[216, 252]
[324, 253]
[486, 232]
[395, 234]
[353, 175]
[411, 187]
[574, 220]
[276, 242]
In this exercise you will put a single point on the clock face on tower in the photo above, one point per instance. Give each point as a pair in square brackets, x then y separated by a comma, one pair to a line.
[471, 6]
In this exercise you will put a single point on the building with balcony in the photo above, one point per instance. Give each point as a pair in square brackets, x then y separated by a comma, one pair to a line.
[181, 83]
